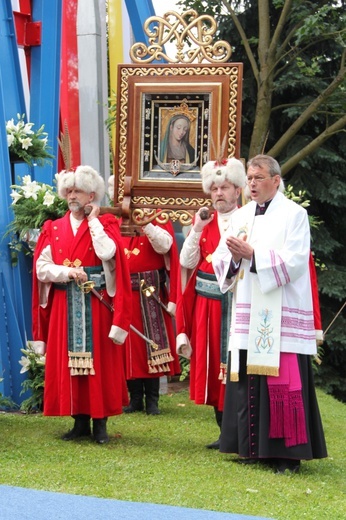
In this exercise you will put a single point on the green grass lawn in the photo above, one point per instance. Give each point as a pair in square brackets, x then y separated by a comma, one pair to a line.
[162, 459]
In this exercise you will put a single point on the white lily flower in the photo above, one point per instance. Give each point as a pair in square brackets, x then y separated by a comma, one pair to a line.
[10, 125]
[24, 361]
[15, 196]
[26, 180]
[10, 139]
[27, 128]
[31, 190]
[48, 199]
[26, 143]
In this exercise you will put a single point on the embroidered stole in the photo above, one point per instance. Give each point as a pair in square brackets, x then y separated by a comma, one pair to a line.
[263, 353]
[263, 357]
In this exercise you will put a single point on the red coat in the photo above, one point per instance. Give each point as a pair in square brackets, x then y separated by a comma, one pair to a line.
[315, 299]
[103, 394]
[200, 318]
[141, 257]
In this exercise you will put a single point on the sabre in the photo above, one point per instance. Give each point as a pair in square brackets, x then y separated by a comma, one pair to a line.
[88, 286]
[331, 323]
[149, 291]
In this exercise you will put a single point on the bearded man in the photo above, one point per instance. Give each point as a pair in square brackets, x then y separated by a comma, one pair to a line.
[84, 374]
[204, 312]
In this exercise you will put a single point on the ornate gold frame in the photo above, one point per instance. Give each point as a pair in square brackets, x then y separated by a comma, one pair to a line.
[142, 85]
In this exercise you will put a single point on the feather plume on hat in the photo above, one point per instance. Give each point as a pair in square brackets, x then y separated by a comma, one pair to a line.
[221, 170]
[83, 177]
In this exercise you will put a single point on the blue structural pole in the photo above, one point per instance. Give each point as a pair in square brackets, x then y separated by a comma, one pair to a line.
[12, 314]
[139, 11]
[15, 278]
[45, 80]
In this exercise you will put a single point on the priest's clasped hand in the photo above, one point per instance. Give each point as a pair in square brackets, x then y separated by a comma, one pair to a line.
[239, 248]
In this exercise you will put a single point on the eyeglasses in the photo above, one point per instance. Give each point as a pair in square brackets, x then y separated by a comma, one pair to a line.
[249, 180]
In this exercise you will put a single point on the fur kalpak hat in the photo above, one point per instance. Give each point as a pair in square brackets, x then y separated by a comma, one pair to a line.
[84, 178]
[217, 172]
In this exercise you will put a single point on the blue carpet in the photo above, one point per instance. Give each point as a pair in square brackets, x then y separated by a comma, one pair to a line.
[29, 504]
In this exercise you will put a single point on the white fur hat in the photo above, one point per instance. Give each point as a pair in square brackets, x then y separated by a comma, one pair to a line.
[231, 170]
[84, 178]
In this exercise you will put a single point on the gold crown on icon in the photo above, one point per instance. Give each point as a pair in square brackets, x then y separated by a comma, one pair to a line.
[183, 109]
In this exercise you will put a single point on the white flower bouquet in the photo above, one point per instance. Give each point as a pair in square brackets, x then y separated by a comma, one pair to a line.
[33, 203]
[26, 144]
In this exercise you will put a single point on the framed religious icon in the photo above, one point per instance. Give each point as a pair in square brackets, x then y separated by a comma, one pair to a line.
[172, 119]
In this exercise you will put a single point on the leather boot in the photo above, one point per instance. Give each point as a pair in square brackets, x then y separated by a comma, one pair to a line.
[81, 428]
[100, 430]
[216, 444]
[152, 394]
[136, 390]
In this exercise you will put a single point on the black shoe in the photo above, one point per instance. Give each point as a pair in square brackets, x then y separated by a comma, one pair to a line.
[81, 428]
[152, 395]
[134, 407]
[214, 445]
[290, 465]
[152, 409]
[100, 430]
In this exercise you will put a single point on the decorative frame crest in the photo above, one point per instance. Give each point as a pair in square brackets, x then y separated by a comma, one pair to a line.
[206, 96]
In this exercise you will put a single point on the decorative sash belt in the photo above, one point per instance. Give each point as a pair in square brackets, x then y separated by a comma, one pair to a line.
[153, 320]
[79, 319]
[207, 286]
[136, 279]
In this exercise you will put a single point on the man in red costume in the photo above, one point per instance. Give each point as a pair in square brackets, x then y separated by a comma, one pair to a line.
[84, 374]
[203, 322]
[153, 262]
[152, 256]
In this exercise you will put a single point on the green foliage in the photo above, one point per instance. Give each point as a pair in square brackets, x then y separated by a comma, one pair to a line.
[315, 24]
[112, 113]
[185, 368]
[33, 363]
[6, 403]
[163, 460]
[25, 144]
